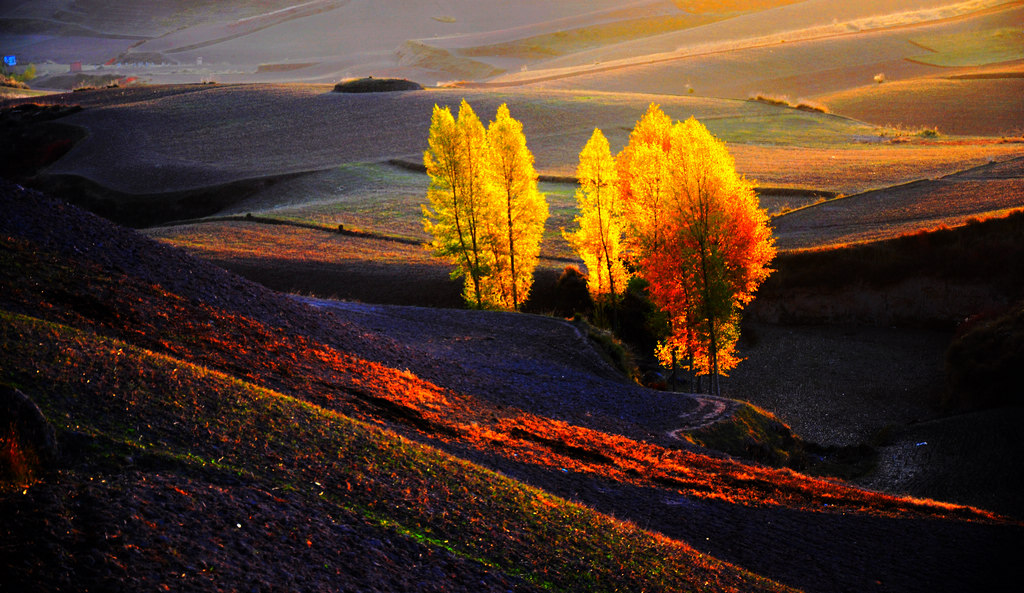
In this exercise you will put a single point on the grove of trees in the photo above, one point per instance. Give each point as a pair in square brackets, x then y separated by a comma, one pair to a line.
[485, 214]
[670, 208]
[695, 231]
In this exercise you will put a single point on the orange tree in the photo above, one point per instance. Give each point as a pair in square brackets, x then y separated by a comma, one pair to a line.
[696, 233]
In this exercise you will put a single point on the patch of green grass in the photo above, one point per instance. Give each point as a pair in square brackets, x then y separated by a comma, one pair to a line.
[750, 433]
[789, 127]
[952, 50]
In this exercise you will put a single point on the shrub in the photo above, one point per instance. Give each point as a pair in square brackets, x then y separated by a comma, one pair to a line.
[779, 101]
[880, 77]
[11, 82]
[806, 105]
[984, 360]
[572, 297]
[376, 85]
[783, 101]
[27, 441]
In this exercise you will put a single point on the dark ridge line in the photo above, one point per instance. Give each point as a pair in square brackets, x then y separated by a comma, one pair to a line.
[906, 185]
[421, 168]
[338, 230]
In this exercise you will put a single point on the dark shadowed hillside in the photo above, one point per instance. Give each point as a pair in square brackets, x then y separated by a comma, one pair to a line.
[205, 424]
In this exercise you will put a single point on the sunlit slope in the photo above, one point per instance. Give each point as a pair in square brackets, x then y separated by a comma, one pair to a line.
[988, 101]
[777, 22]
[194, 423]
[288, 40]
[131, 17]
[801, 63]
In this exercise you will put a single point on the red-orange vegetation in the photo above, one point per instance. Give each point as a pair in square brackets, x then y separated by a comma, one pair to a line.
[697, 234]
[203, 334]
[17, 464]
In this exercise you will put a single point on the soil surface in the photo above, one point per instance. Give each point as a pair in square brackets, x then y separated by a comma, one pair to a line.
[883, 214]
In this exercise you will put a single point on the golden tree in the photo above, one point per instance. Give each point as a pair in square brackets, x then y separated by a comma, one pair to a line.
[699, 237]
[459, 208]
[520, 211]
[598, 237]
[642, 166]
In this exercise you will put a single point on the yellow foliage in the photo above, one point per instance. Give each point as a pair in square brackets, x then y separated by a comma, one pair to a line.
[457, 212]
[484, 212]
[598, 237]
[520, 211]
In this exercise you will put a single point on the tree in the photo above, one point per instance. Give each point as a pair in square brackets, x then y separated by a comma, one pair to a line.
[598, 237]
[698, 236]
[521, 211]
[458, 210]
[642, 166]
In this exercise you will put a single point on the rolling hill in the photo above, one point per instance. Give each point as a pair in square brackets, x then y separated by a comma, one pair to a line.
[190, 406]
[177, 390]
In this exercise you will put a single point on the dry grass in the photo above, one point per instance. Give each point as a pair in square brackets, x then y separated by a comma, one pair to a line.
[983, 192]
[862, 167]
[986, 106]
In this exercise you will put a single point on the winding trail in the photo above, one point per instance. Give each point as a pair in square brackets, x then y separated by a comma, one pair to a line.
[710, 409]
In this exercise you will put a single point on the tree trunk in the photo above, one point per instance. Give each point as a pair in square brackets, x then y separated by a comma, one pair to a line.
[512, 253]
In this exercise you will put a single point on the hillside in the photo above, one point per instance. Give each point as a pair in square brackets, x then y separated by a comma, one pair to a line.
[161, 373]
[157, 369]
[163, 153]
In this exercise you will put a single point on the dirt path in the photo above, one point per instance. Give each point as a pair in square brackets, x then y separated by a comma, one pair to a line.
[710, 409]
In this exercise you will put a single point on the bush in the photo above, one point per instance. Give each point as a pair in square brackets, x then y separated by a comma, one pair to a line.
[572, 297]
[27, 441]
[642, 325]
[984, 361]
[783, 101]
[376, 85]
[11, 82]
